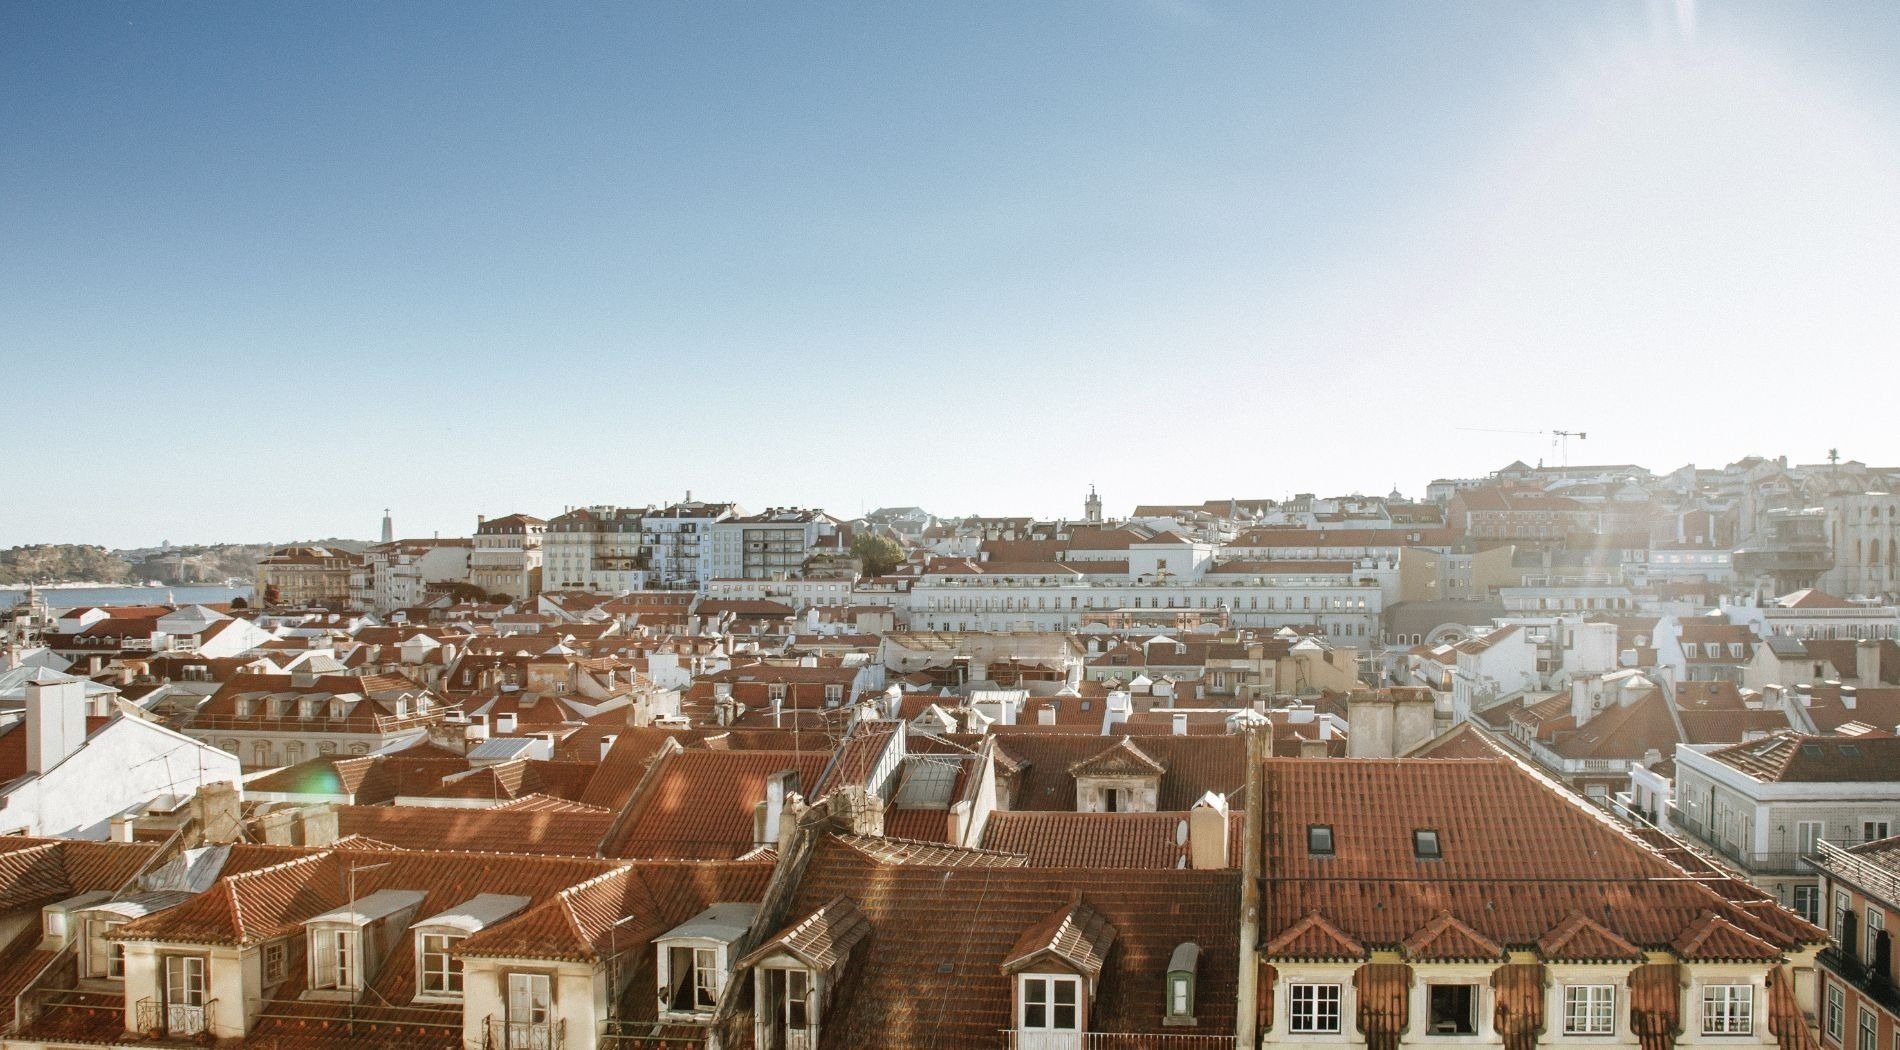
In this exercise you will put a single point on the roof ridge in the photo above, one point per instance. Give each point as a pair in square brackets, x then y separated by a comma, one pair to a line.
[567, 896]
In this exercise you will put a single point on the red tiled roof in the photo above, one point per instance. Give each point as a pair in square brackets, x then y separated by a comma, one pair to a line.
[1097, 840]
[930, 971]
[1195, 765]
[537, 831]
[1487, 876]
[698, 804]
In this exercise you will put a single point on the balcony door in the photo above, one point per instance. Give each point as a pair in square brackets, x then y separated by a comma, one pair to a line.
[530, 1010]
[184, 994]
[787, 1010]
[1050, 1017]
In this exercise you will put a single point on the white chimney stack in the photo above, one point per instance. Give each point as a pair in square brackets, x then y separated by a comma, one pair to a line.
[55, 723]
[606, 745]
[505, 722]
[1180, 724]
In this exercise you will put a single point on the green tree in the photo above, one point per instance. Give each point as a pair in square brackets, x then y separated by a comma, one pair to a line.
[877, 554]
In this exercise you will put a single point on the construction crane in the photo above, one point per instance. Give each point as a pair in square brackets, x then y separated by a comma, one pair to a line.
[1559, 439]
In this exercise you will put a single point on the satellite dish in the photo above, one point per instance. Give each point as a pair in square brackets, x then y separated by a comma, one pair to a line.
[1181, 833]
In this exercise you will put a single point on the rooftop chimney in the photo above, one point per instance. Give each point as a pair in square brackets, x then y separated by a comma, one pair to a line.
[505, 722]
[606, 745]
[1180, 723]
[55, 723]
[1207, 832]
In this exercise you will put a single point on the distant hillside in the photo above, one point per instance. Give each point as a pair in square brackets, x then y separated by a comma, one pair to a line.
[61, 563]
[182, 565]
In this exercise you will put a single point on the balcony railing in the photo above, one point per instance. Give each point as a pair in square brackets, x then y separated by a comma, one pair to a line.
[1881, 882]
[1772, 862]
[1876, 986]
[504, 1034]
[173, 1020]
[1023, 1039]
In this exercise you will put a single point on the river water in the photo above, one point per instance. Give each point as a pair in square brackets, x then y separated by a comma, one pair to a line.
[74, 597]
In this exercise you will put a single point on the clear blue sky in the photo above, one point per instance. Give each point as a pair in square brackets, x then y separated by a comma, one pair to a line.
[267, 268]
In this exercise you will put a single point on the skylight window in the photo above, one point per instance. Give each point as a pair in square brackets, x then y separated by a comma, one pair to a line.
[1425, 844]
[1850, 750]
[1319, 840]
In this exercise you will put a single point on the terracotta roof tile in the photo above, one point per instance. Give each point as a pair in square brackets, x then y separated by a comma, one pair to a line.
[698, 804]
[491, 830]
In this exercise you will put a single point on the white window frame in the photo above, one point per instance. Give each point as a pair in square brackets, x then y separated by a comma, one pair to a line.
[273, 961]
[1043, 992]
[1866, 1030]
[336, 957]
[708, 959]
[450, 971]
[1833, 1012]
[1589, 1009]
[105, 959]
[1308, 1018]
[1876, 924]
[528, 1009]
[1728, 1009]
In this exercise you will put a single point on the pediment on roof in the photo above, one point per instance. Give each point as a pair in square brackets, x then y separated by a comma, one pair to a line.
[1446, 939]
[822, 940]
[1313, 938]
[1578, 939]
[1712, 938]
[1123, 759]
[1078, 935]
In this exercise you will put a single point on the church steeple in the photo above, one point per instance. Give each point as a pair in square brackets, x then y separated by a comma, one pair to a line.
[1092, 508]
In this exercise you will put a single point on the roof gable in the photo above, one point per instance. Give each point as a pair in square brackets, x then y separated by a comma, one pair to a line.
[1314, 939]
[1715, 939]
[1445, 939]
[1578, 939]
[1077, 935]
[1122, 759]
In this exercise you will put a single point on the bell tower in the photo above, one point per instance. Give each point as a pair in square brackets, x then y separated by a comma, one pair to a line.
[1092, 508]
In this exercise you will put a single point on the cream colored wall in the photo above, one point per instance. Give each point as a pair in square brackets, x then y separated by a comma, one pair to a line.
[580, 996]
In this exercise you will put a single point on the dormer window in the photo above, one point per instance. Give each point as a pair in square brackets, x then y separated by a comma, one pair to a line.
[1181, 973]
[104, 957]
[1319, 840]
[775, 691]
[347, 945]
[695, 959]
[438, 969]
[1425, 844]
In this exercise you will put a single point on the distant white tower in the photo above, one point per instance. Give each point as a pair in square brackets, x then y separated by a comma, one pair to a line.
[389, 527]
[1092, 508]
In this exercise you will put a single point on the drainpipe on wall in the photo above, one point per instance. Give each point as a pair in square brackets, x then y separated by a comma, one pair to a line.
[1245, 1017]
